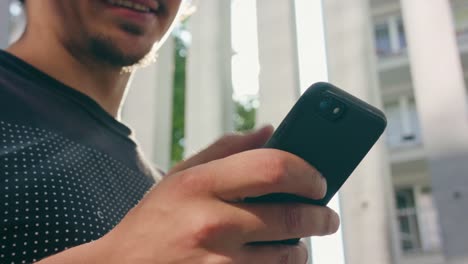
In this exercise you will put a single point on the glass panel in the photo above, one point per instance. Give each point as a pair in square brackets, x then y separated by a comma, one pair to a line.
[407, 245]
[382, 39]
[397, 136]
[393, 124]
[408, 220]
[415, 124]
[401, 35]
[405, 199]
[404, 225]
[429, 224]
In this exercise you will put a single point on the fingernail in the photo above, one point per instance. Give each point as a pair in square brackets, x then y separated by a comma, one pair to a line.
[255, 131]
[334, 223]
[324, 184]
[265, 128]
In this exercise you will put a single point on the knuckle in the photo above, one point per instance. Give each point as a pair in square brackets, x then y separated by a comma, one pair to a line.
[276, 167]
[207, 229]
[292, 218]
[227, 142]
[194, 179]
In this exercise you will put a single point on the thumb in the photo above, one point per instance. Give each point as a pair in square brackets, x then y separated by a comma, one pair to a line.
[226, 146]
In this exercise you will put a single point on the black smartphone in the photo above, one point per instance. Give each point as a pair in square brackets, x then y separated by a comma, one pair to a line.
[330, 129]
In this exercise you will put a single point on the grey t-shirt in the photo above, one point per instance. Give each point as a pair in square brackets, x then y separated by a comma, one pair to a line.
[69, 172]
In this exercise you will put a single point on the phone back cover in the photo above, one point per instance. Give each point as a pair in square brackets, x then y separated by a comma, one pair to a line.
[336, 147]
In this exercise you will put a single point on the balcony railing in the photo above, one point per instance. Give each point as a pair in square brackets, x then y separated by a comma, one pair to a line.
[385, 54]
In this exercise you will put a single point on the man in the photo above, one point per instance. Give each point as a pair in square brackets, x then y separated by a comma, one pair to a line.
[72, 179]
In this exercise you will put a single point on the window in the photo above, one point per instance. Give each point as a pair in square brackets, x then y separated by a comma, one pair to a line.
[403, 123]
[390, 38]
[401, 34]
[408, 220]
[382, 39]
[417, 220]
[428, 221]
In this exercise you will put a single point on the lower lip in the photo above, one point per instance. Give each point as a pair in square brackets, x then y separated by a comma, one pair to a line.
[130, 14]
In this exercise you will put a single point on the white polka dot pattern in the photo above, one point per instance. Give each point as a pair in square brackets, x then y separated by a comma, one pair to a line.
[56, 193]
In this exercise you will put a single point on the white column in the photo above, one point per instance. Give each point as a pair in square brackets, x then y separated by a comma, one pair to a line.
[279, 70]
[209, 106]
[367, 197]
[4, 23]
[164, 101]
[441, 102]
[148, 106]
[313, 68]
[437, 74]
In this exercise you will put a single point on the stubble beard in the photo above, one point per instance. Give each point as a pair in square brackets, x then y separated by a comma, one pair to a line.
[103, 49]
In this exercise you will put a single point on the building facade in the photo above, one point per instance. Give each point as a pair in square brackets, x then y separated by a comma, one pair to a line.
[421, 50]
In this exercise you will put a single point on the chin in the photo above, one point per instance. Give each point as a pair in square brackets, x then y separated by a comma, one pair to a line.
[108, 50]
[148, 59]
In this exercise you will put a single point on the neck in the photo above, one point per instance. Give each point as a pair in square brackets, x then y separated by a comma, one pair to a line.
[102, 82]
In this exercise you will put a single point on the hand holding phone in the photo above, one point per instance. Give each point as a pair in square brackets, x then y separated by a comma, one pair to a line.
[331, 130]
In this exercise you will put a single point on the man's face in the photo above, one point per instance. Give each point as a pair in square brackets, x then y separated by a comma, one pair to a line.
[118, 32]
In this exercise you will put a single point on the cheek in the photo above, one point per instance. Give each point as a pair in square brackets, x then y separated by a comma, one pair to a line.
[173, 6]
[167, 20]
[66, 19]
[75, 15]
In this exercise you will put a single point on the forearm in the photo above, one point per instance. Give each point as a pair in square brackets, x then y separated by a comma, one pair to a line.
[89, 253]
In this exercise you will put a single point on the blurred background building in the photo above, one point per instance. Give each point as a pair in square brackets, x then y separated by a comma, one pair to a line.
[234, 65]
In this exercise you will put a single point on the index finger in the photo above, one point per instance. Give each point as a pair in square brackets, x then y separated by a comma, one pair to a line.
[264, 171]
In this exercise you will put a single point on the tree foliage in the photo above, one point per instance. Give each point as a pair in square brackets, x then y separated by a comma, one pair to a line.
[245, 110]
[178, 116]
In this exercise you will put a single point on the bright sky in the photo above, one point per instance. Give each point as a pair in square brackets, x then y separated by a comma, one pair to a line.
[313, 68]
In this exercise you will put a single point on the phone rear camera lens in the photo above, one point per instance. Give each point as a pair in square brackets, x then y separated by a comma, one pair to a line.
[330, 108]
[325, 105]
